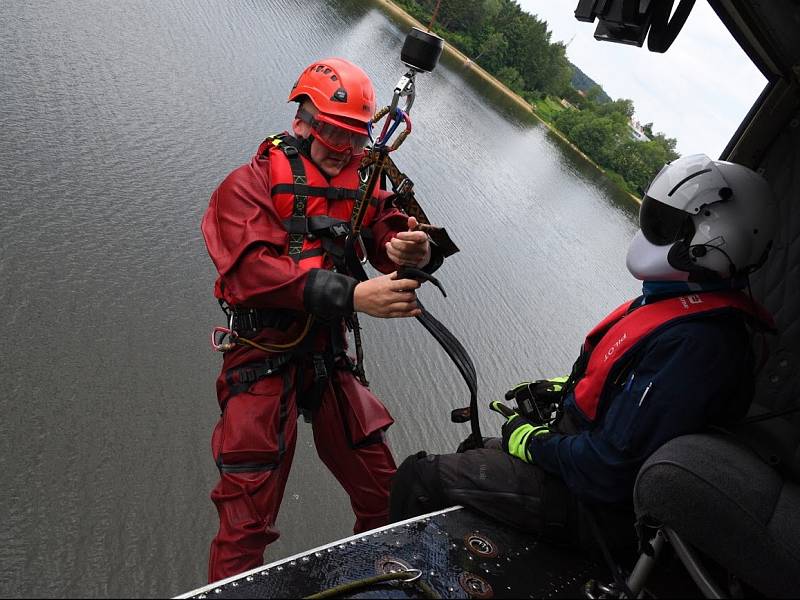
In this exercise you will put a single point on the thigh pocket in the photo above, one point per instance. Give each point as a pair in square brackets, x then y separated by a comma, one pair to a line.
[253, 426]
[363, 414]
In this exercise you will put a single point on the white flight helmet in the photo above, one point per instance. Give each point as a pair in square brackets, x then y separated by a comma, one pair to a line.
[702, 220]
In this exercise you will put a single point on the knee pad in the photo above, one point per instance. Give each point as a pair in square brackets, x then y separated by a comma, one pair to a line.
[416, 488]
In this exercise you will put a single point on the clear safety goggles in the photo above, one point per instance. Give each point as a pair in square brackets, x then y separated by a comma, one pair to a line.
[334, 135]
[663, 224]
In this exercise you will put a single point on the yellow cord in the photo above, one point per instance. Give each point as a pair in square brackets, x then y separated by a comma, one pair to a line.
[279, 347]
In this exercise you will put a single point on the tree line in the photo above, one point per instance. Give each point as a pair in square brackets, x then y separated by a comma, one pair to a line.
[516, 48]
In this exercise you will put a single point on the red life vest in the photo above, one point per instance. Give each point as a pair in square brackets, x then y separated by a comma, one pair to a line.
[300, 191]
[609, 342]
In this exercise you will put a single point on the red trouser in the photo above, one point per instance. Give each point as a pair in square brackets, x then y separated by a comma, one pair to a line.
[253, 444]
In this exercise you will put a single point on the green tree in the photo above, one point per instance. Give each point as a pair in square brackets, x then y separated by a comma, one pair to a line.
[669, 144]
[461, 15]
[511, 77]
[557, 72]
[593, 94]
[572, 95]
[494, 43]
[620, 110]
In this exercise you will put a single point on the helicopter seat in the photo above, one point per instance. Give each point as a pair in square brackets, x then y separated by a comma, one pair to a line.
[723, 499]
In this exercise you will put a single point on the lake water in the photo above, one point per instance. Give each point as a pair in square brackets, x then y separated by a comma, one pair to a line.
[117, 120]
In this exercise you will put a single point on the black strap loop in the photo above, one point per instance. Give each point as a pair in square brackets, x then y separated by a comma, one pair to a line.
[240, 379]
[461, 358]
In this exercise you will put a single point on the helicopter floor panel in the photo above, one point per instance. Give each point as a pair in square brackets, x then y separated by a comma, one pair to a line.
[459, 554]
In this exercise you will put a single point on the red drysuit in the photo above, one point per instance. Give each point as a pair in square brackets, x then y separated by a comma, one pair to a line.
[245, 230]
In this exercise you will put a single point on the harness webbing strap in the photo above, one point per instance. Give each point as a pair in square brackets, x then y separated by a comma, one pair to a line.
[241, 378]
[330, 193]
[298, 229]
[312, 253]
[351, 265]
[323, 226]
[366, 187]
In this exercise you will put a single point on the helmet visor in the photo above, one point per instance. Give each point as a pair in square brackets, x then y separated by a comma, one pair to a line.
[337, 137]
[662, 224]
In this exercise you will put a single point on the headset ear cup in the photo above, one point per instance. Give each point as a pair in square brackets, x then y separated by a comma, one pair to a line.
[681, 257]
[698, 251]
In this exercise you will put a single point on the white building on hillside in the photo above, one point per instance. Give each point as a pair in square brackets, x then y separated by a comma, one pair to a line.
[637, 132]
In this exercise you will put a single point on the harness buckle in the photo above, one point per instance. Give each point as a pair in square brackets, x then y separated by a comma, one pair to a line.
[298, 224]
[340, 229]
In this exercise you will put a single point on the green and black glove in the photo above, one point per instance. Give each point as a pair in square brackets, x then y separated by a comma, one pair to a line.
[518, 431]
[538, 399]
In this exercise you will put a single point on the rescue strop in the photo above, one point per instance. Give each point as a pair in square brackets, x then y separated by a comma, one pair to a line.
[375, 164]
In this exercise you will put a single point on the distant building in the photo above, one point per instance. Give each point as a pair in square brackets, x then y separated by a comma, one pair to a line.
[567, 104]
[637, 133]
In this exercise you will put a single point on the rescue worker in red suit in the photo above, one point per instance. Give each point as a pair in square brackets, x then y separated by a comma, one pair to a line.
[275, 231]
[671, 362]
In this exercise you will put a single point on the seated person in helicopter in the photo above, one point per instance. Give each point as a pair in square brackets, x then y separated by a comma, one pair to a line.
[675, 360]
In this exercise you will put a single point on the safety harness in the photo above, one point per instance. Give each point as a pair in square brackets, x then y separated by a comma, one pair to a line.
[304, 230]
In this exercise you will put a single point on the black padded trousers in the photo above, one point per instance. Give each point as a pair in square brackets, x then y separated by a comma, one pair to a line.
[506, 489]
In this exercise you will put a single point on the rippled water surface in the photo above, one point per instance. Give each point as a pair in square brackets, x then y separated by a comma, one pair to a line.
[117, 120]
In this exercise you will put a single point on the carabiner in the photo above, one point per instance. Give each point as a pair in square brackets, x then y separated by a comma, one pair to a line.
[218, 343]
[390, 127]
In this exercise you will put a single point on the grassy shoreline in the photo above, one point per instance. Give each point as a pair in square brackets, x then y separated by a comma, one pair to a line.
[403, 16]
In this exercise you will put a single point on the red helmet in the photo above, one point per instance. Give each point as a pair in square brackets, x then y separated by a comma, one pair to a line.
[338, 88]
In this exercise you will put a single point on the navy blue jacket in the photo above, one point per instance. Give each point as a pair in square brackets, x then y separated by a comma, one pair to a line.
[682, 379]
